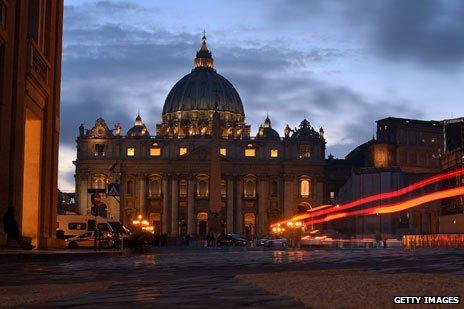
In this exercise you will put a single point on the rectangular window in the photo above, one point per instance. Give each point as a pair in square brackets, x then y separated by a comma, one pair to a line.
[305, 151]
[130, 151]
[155, 151]
[99, 150]
[223, 152]
[274, 153]
[250, 152]
[183, 188]
[182, 151]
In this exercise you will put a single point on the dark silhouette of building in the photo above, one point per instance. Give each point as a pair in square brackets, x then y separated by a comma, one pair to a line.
[30, 73]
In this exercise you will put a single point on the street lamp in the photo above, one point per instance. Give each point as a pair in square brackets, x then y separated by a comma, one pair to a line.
[143, 224]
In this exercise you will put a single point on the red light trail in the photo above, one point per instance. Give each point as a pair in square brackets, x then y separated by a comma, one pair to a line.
[323, 210]
[395, 207]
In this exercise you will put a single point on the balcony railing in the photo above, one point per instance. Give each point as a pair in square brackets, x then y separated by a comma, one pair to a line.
[37, 64]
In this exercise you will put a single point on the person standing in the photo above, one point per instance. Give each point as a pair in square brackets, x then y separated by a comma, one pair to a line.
[12, 230]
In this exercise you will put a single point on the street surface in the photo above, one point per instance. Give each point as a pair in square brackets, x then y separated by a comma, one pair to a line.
[179, 277]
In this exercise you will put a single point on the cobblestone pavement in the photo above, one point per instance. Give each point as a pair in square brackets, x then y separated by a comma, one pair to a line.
[198, 278]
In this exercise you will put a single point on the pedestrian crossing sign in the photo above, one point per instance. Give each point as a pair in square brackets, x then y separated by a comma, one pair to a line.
[113, 189]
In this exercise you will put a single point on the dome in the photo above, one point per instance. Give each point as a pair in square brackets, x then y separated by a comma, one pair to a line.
[203, 89]
[139, 129]
[267, 132]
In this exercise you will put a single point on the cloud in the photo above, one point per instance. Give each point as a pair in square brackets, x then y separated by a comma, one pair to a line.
[115, 64]
[428, 33]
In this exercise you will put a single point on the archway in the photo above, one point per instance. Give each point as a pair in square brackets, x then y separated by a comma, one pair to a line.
[250, 223]
[202, 218]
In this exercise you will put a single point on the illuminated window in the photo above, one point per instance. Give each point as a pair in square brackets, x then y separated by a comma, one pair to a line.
[155, 151]
[223, 152]
[305, 187]
[183, 188]
[332, 194]
[99, 149]
[182, 151]
[274, 153]
[305, 151]
[130, 151]
[249, 188]
[250, 152]
[99, 182]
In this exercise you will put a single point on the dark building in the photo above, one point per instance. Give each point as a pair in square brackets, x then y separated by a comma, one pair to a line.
[403, 152]
[30, 75]
[452, 219]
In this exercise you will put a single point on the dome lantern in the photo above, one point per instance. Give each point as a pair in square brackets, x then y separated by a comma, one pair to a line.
[204, 58]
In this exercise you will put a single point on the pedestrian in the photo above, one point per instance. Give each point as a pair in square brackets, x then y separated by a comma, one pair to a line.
[12, 230]
[384, 242]
[116, 242]
[208, 239]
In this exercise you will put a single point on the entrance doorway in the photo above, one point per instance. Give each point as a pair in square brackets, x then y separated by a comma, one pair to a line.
[31, 176]
[250, 224]
[202, 218]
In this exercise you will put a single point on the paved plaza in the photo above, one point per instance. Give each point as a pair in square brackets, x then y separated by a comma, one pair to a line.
[183, 278]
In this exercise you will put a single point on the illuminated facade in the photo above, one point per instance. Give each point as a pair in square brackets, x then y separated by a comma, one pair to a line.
[202, 170]
[30, 75]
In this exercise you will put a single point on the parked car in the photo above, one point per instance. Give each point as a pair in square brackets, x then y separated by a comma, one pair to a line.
[88, 240]
[271, 241]
[231, 240]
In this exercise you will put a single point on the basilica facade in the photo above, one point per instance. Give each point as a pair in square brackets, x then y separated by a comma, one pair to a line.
[202, 170]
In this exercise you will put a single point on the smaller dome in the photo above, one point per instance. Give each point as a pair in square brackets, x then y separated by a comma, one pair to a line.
[267, 132]
[305, 132]
[139, 129]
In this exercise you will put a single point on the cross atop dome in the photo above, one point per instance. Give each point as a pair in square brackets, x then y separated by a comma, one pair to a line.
[204, 58]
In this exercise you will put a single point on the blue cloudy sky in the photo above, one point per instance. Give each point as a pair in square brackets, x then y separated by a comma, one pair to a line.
[341, 64]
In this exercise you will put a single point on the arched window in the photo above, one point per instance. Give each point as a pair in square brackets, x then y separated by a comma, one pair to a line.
[202, 186]
[99, 182]
[130, 187]
[154, 186]
[305, 187]
[249, 187]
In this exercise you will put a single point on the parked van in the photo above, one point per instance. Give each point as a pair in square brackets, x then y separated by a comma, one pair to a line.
[75, 225]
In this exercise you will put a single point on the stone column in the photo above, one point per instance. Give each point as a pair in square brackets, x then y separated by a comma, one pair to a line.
[142, 195]
[289, 198]
[238, 204]
[165, 219]
[263, 205]
[230, 205]
[174, 206]
[82, 184]
[191, 228]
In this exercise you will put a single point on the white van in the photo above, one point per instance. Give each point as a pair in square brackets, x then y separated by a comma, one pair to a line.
[75, 225]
